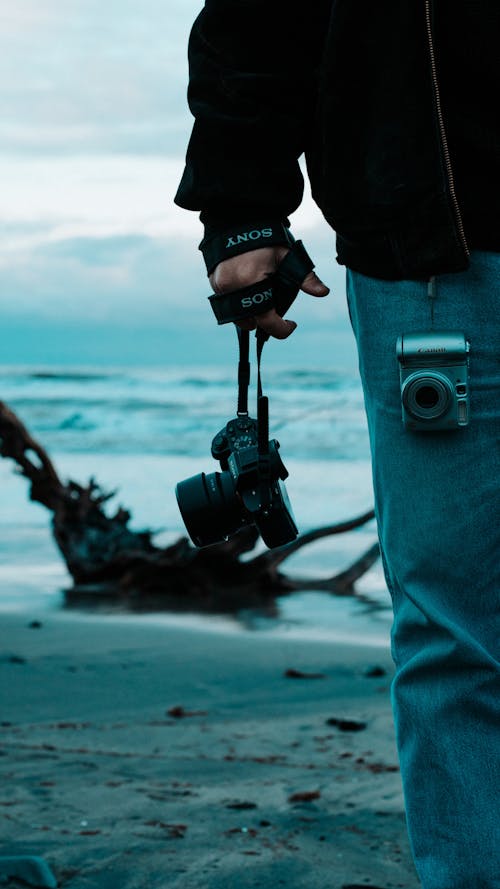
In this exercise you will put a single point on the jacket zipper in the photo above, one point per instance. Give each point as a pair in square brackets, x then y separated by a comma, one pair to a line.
[442, 131]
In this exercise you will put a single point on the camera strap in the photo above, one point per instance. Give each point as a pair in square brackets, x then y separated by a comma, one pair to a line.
[244, 367]
[243, 371]
[220, 245]
[432, 294]
[276, 291]
[262, 404]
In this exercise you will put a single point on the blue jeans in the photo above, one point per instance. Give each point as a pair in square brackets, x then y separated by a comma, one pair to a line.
[438, 513]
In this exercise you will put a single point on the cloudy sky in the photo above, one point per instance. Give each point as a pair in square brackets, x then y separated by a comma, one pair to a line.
[96, 262]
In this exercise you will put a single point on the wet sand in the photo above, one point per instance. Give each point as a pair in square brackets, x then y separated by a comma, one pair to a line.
[142, 756]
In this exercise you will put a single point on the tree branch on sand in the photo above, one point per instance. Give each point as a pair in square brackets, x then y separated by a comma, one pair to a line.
[110, 562]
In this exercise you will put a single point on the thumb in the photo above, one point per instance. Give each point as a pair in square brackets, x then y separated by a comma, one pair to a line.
[314, 285]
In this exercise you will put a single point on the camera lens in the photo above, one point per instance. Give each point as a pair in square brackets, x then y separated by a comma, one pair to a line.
[210, 507]
[427, 396]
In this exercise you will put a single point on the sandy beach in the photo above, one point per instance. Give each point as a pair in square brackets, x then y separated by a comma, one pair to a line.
[140, 755]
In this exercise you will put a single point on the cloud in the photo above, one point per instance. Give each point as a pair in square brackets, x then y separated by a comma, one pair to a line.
[93, 128]
[26, 15]
[59, 198]
[100, 238]
[110, 76]
[117, 279]
[52, 199]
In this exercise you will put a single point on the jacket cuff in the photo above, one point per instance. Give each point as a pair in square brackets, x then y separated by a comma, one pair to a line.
[222, 242]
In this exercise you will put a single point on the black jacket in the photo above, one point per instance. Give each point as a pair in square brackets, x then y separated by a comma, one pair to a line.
[354, 85]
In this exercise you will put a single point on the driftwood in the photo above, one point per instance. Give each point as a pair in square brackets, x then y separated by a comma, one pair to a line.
[109, 561]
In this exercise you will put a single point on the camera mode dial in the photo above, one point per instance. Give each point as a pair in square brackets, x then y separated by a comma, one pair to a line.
[242, 433]
[239, 433]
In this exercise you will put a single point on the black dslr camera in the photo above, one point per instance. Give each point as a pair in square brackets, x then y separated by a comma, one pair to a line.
[248, 491]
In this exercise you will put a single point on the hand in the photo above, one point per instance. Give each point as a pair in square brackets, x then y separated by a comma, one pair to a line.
[247, 268]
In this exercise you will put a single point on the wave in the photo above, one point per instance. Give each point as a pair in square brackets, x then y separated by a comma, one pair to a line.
[318, 413]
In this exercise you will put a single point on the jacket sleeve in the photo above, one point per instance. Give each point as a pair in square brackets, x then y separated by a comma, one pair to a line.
[252, 91]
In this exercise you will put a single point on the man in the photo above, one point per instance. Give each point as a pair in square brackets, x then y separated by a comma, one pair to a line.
[395, 106]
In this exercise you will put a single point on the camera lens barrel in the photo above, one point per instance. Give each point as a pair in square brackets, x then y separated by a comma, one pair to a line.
[210, 507]
[427, 396]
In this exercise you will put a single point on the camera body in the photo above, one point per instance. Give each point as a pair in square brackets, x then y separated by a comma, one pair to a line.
[248, 490]
[434, 379]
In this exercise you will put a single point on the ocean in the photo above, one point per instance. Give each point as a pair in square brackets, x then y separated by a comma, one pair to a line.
[140, 430]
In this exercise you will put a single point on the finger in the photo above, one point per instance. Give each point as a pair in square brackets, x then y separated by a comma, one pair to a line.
[247, 324]
[246, 268]
[271, 323]
[314, 285]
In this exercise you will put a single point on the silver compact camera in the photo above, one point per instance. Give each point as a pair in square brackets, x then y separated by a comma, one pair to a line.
[434, 379]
